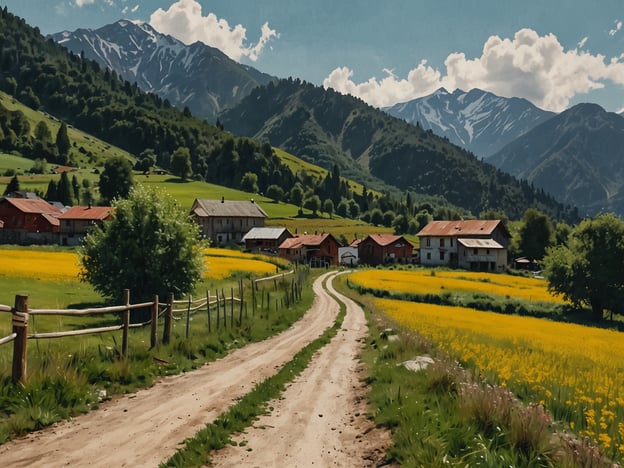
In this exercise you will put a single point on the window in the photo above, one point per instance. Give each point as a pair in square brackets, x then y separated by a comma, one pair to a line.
[451, 241]
[487, 252]
[428, 255]
[428, 242]
[475, 251]
[441, 255]
[441, 242]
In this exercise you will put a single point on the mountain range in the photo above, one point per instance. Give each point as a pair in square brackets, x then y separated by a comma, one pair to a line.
[476, 120]
[196, 76]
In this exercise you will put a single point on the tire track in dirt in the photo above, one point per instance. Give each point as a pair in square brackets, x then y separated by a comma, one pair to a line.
[321, 418]
[147, 427]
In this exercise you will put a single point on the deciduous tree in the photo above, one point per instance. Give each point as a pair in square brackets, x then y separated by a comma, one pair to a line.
[116, 179]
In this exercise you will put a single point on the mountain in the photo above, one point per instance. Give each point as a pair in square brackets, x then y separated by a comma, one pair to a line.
[196, 76]
[326, 128]
[577, 156]
[476, 120]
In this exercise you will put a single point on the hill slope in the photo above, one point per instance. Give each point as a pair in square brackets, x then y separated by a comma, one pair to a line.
[476, 120]
[196, 76]
[577, 156]
[325, 127]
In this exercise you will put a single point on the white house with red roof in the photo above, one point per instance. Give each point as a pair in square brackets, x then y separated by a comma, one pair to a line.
[477, 245]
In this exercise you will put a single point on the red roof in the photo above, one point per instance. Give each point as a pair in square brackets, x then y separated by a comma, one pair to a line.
[33, 205]
[304, 240]
[471, 227]
[386, 239]
[87, 212]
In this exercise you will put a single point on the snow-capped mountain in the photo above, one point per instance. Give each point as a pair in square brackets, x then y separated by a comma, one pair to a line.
[476, 120]
[196, 76]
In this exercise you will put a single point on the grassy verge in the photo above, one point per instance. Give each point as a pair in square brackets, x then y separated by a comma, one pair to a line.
[69, 376]
[447, 415]
[241, 415]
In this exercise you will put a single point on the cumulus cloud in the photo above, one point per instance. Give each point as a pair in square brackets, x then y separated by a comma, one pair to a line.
[582, 43]
[618, 26]
[530, 66]
[81, 3]
[184, 21]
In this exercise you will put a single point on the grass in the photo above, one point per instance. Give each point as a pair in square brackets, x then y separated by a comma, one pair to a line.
[242, 414]
[446, 415]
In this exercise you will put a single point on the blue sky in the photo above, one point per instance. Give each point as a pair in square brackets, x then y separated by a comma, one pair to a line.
[556, 53]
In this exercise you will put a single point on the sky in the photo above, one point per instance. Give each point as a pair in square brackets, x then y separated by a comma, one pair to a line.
[555, 53]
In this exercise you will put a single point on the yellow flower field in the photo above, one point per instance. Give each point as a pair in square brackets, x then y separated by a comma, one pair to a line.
[577, 372]
[219, 268]
[218, 252]
[38, 264]
[427, 281]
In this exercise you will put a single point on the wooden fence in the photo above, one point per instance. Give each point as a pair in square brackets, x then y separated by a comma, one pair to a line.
[215, 305]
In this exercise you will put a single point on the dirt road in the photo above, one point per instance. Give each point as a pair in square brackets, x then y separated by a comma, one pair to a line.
[146, 428]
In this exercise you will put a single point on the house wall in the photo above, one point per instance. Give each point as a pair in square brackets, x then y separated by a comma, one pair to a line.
[437, 251]
[224, 230]
[481, 259]
[266, 244]
[371, 253]
[327, 251]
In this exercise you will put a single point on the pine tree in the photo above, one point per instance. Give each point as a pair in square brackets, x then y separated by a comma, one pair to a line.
[63, 191]
[13, 186]
[62, 140]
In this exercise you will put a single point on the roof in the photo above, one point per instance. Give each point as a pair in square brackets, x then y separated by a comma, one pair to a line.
[87, 212]
[225, 208]
[386, 239]
[32, 205]
[265, 233]
[480, 243]
[471, 227]
[305, 240]
[53, 220]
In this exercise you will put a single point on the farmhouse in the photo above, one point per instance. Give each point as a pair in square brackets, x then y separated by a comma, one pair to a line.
[28, 221]
[314, 249]
[227, 221]
[78, 220]
[478, 245]
[267, 239]
[379, 249]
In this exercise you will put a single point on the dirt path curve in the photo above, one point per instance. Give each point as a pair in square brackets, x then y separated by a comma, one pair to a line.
[147, 427]
[320, 420]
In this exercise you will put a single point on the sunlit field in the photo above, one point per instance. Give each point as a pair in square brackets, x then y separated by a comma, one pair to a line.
[576, 372]
[429, 281]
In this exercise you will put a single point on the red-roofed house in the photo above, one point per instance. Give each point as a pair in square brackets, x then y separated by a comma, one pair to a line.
[478, 245]
[379, 249]
[78, 220]
[315, 249]
[29, 221]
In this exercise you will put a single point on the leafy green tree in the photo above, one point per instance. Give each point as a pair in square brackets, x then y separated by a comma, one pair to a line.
[296, 195]
[588, 270]
[42, 132]
[376, 217]
[400, 224]
[249, 182]
[423, 217]
[116, 179]
[151, 246]
[343, 208]
[313, 204]
[388, 218]
[62, 140]
[354, 209]
[12, 186]
[40, 166]
[275, 192]
[181, 163]
[75, 187]
[328, 207]
[535, 235]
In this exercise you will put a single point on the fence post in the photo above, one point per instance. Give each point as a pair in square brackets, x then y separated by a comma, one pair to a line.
[240, 295]
[20, 327]
[224, 302]
[154, 328]
[231, 307]
[218, 308]
[168, 320]
[188, 317]
[208, 308]
[126, 324]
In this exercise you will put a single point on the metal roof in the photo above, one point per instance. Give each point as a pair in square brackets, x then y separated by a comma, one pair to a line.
[480, 243]
[33, 205]
[305, 240]
[387, 239]
[228, 208]
[471, 227]
[87, 212]
[265, 233]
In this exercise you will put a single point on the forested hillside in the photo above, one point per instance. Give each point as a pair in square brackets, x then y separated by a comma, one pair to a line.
[323, 126]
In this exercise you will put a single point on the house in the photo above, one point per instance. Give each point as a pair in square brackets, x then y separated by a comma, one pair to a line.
[348, 255]
[78, 220]
[227, 221]
[266, 239]
[314, 249]
[478, 245]
[380, 249]
[28, 221]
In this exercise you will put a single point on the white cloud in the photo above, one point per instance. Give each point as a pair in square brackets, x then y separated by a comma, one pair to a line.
[81, 3]
[135, 8]
[184, 21]
[530, 66]
[582, 43]
[618, 26]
